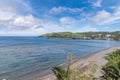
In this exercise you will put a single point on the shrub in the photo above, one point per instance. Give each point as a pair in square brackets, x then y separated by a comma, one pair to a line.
[111, 70]
[75, 71]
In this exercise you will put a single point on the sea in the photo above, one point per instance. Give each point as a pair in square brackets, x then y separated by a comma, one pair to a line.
[23, 56]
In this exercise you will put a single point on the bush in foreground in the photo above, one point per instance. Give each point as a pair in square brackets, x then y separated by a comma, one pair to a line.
[75, 71]
[111, 70]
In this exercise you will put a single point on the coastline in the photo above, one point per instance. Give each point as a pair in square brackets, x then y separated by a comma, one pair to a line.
[98, 57]
[79, 38]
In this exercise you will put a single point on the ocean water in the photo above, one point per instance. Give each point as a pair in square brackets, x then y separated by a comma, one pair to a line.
[20, 56]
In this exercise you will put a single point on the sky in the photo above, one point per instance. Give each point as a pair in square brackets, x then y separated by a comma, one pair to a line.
[36, 17]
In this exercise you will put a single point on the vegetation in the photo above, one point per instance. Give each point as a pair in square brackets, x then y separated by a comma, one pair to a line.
[112, 69]
[60, 73]
[75, 72]
[85, 35]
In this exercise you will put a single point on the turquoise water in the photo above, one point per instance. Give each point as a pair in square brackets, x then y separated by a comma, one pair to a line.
[21, 56]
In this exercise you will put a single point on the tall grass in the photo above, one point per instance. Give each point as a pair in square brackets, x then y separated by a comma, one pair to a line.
[111, 70]
[75, 71]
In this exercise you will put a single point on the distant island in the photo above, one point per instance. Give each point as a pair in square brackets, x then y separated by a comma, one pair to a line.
[85, 35]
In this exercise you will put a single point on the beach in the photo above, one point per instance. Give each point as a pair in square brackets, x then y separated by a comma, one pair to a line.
[98, 57]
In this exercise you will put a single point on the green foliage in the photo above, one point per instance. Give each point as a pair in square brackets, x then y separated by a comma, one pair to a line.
[74, 71]
[61, 73]
[112, 69]
[85, 35]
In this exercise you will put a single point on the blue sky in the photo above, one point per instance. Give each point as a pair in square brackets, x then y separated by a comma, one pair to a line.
[35, 17]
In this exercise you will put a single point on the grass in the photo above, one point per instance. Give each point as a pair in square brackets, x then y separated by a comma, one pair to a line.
[75, 72]
[111, 70]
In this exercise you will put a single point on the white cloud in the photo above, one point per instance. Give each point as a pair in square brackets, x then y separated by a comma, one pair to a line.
[67, 20]
[5, 15]
[87, 29]
[28, 25]
[9, 9]
[52, 27]
[14, 22]
[15, 6]
[101, 15]
[57, 10]
[25, 22]
[98, 3]
[104, 17]
[12, 18]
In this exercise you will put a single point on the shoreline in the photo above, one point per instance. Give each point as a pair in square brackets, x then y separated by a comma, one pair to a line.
[78, 38]
[97, 56]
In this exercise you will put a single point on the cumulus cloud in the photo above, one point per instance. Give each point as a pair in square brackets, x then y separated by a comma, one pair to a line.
[105, 17]
[44, 27]
[60, 9]
[101, 15]
[13, 20]
[25, 22]
[87, 29]
[4, 15]
[98, 3]
[67, 20]
[16, 6]
[21, 23]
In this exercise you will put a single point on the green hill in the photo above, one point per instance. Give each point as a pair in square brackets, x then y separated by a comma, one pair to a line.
[85, 35]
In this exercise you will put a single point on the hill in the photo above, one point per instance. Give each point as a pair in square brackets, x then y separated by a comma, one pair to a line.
[85, 35]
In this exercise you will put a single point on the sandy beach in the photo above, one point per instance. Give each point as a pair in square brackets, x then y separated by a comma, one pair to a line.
[98, 57]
